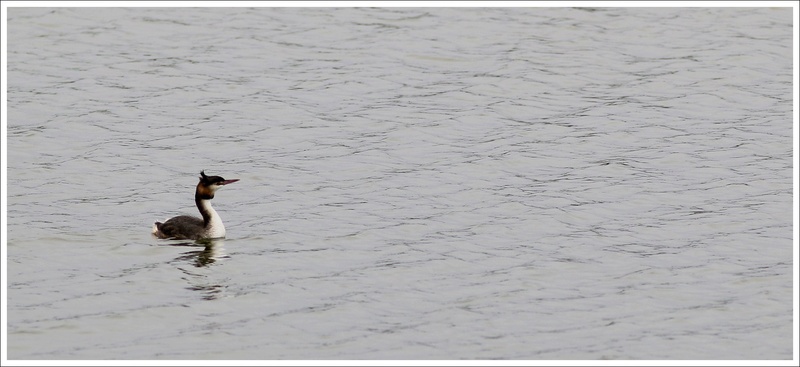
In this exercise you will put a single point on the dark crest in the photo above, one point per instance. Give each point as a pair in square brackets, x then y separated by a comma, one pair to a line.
[208, 180]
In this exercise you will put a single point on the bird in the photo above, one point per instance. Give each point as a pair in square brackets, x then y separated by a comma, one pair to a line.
[185, 227]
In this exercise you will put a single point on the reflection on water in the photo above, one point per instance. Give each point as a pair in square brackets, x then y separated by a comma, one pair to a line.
[213, 249]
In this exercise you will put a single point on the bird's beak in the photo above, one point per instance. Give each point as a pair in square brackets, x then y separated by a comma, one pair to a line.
[229, 181]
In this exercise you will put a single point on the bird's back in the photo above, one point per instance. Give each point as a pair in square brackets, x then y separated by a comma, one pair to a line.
[180, 227]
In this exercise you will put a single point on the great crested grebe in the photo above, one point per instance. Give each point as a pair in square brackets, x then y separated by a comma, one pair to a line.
[186, 227]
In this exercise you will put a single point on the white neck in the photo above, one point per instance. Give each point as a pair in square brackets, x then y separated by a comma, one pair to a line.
[213, 223]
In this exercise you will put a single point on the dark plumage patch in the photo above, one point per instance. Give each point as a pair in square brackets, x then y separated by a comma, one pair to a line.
[181, 227]
[210, 180]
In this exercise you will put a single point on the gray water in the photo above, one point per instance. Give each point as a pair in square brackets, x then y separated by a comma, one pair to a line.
[416, 183]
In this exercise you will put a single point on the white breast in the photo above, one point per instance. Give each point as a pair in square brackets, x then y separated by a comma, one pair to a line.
[215, 228]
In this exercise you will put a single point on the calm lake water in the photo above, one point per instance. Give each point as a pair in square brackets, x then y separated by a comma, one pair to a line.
[416, 183]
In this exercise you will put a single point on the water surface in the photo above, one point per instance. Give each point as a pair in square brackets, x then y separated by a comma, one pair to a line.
[416, 183]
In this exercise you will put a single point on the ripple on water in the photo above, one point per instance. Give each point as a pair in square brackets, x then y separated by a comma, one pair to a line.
[415, 183]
